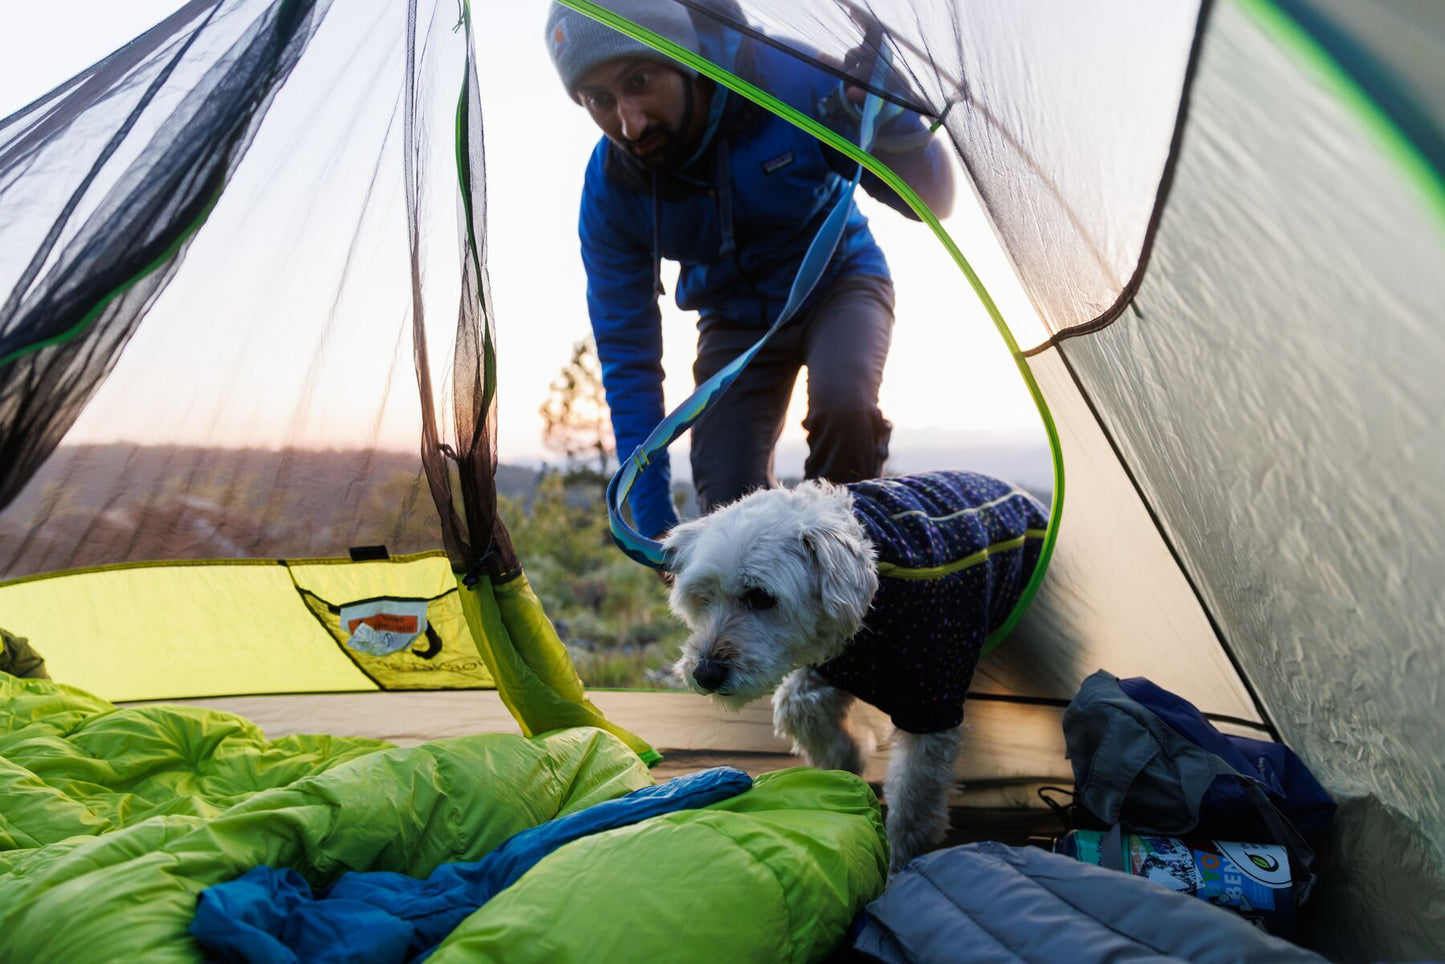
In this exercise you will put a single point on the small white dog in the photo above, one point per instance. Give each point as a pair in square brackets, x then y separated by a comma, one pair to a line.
[883, 591]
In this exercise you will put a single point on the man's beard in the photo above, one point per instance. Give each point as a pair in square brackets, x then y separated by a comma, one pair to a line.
[672, 149]
[666, 153]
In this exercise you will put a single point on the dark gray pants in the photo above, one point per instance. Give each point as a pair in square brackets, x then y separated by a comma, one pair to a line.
[843, 342]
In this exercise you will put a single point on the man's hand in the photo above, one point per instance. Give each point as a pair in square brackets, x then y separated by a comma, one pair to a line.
[852, 65]
[862, 60]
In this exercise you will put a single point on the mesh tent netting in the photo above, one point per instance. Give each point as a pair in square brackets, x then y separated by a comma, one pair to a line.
[108, 179]
[267, 408]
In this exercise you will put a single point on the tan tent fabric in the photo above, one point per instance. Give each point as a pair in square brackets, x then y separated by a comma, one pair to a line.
[1010, 751]
[1114, 597]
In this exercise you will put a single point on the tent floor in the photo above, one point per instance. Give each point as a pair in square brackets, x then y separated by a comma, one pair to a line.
[995, 799]
[1016, 826]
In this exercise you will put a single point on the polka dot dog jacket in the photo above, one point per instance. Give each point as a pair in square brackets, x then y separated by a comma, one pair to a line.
[955, 550]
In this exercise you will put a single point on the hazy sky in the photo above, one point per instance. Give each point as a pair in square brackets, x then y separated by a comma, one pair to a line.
[948, 372]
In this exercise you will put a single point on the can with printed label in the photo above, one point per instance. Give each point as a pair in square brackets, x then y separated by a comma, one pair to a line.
[1251, 879]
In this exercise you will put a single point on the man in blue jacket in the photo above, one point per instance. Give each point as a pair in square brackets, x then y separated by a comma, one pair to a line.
[694, 173]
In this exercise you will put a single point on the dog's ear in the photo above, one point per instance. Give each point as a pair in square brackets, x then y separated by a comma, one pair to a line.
[678, 543]
[847, 579]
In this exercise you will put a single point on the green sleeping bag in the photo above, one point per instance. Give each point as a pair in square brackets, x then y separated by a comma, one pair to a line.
[112, 820]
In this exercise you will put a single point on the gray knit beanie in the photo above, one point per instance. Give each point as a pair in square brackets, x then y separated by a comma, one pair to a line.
[578, 43]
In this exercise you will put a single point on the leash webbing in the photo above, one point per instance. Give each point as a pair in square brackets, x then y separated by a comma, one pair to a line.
[646, 550]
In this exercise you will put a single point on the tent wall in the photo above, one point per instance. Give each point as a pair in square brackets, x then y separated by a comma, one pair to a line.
[105, 183]
[97, 505]
[1275, 389]
[1115, 598]
[1392, 50]
[188, 630]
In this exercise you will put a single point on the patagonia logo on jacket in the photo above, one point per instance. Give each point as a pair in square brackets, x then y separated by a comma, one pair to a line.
[775, 164]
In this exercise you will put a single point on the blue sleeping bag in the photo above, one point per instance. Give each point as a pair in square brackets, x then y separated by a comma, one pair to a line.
[269, 915]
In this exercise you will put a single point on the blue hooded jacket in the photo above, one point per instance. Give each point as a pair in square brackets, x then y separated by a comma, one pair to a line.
[738, 219]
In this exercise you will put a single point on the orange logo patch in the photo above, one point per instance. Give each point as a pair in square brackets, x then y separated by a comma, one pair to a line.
[387, 623]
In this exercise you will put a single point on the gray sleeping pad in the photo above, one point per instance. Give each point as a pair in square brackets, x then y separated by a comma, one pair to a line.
[987, 902]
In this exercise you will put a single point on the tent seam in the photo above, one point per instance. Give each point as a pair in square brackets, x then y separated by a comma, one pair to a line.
[1161, 200]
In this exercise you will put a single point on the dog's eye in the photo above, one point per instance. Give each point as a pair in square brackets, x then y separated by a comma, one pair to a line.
[756, 598]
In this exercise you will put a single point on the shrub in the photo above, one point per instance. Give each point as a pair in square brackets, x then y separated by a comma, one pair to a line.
[611, 612]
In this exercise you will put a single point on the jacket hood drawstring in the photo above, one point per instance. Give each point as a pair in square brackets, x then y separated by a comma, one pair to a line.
[725, 199]
[723, 169]
[657, 287]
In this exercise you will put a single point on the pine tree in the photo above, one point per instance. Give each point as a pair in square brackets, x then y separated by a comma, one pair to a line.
[577, 423]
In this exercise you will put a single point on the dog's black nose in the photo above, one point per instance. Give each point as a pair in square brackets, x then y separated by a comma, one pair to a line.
[710, 673]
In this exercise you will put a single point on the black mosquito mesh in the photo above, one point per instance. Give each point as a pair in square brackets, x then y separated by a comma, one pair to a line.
[485, 544]
[123, 218]
[273, 188]
[1063, 115]
[290, 194]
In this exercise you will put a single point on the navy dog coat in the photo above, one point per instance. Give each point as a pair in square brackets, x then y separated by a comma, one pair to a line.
[955, 550]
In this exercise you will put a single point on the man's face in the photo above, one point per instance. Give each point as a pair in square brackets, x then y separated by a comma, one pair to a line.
[642, 106]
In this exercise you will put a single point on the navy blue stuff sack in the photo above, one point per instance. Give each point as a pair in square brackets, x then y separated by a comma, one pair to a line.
[1282, 774]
